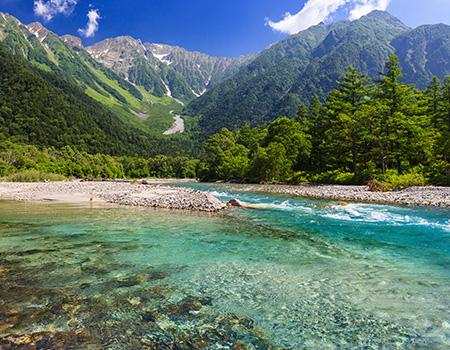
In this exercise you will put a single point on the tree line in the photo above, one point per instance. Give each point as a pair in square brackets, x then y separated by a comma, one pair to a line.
[70, 162]
[45, 109]
[383, 132]
[366, 131]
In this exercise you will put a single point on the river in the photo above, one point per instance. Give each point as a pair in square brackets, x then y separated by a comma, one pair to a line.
[298, 274]
[178, 125]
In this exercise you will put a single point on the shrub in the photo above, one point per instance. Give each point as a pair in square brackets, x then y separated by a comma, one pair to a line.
[33, 176]
[392, 181]
[440, 173]
[299, 177]
[334, 177]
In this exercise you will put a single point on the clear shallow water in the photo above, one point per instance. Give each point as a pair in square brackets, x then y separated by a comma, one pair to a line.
[297, 274]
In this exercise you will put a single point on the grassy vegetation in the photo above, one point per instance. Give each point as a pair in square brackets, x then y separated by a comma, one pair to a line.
[132, 101]
[392, 181]
[158, 109]
[105, 100]
[33, 176]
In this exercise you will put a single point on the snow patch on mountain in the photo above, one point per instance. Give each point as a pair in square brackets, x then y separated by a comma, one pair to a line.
[162, 58]
[168, 92]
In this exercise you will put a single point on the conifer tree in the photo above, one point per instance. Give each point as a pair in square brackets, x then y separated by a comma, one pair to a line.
[343, 138]
[318, 124]
[433, 100]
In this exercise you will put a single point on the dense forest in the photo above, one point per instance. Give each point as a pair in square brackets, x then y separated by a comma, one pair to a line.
[309, 63]
[43, 109]
[383, 132]
[30, 163]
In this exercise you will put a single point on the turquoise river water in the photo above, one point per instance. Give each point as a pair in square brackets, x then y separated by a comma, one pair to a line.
[298, 274]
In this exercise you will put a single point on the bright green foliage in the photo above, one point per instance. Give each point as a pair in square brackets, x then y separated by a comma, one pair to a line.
[225, 157]
[289, 134]
[251, 138]
[405, 139]
[439, 109]
[393, 181]
[29, 163]
[316, 124]
[33, 176]
[343, 134]
[259, 154]
[271, 164]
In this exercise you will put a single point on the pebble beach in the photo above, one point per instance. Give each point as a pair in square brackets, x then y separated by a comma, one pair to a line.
[122, 193]
[430, 196]
[159, 194]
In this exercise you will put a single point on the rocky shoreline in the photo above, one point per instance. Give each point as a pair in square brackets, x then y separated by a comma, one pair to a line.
[159, 194]
[122, 193]
[414, 196]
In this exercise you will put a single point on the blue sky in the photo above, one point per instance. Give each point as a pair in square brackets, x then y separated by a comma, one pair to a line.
[217, 27]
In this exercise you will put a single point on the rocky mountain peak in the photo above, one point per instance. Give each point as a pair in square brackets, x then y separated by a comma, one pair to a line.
[8, 18]
[72, 41]
[38, 30]
[386, 17]
[173, 67]
[118, 54]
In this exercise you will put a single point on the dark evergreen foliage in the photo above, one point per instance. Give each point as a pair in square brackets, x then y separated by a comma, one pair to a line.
[383, 133]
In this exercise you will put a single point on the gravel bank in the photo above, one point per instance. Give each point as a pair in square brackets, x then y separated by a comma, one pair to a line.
[413, 196]
[122, 193]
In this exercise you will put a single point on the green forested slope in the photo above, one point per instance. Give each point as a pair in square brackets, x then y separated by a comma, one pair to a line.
[424, 53]
[387, 134]
[310, 63]
[72, 63]
[38, 108]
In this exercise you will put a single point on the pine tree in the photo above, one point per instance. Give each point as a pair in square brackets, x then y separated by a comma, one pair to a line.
[318, 124]
[433, 100]
[343, 137]
[402, 142]
[443, 121]
[302, 116]
[444, 116]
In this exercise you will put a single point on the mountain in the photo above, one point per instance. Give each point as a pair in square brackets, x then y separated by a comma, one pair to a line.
[424, 52]
[85, 104]
[311, 62]
[39, 108]
[163, 69]
[66, 57]
[143, 84]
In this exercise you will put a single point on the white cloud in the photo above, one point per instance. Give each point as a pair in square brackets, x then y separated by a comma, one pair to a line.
[47, 9]
[316, 11]
[92, 25]
[362, 8]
